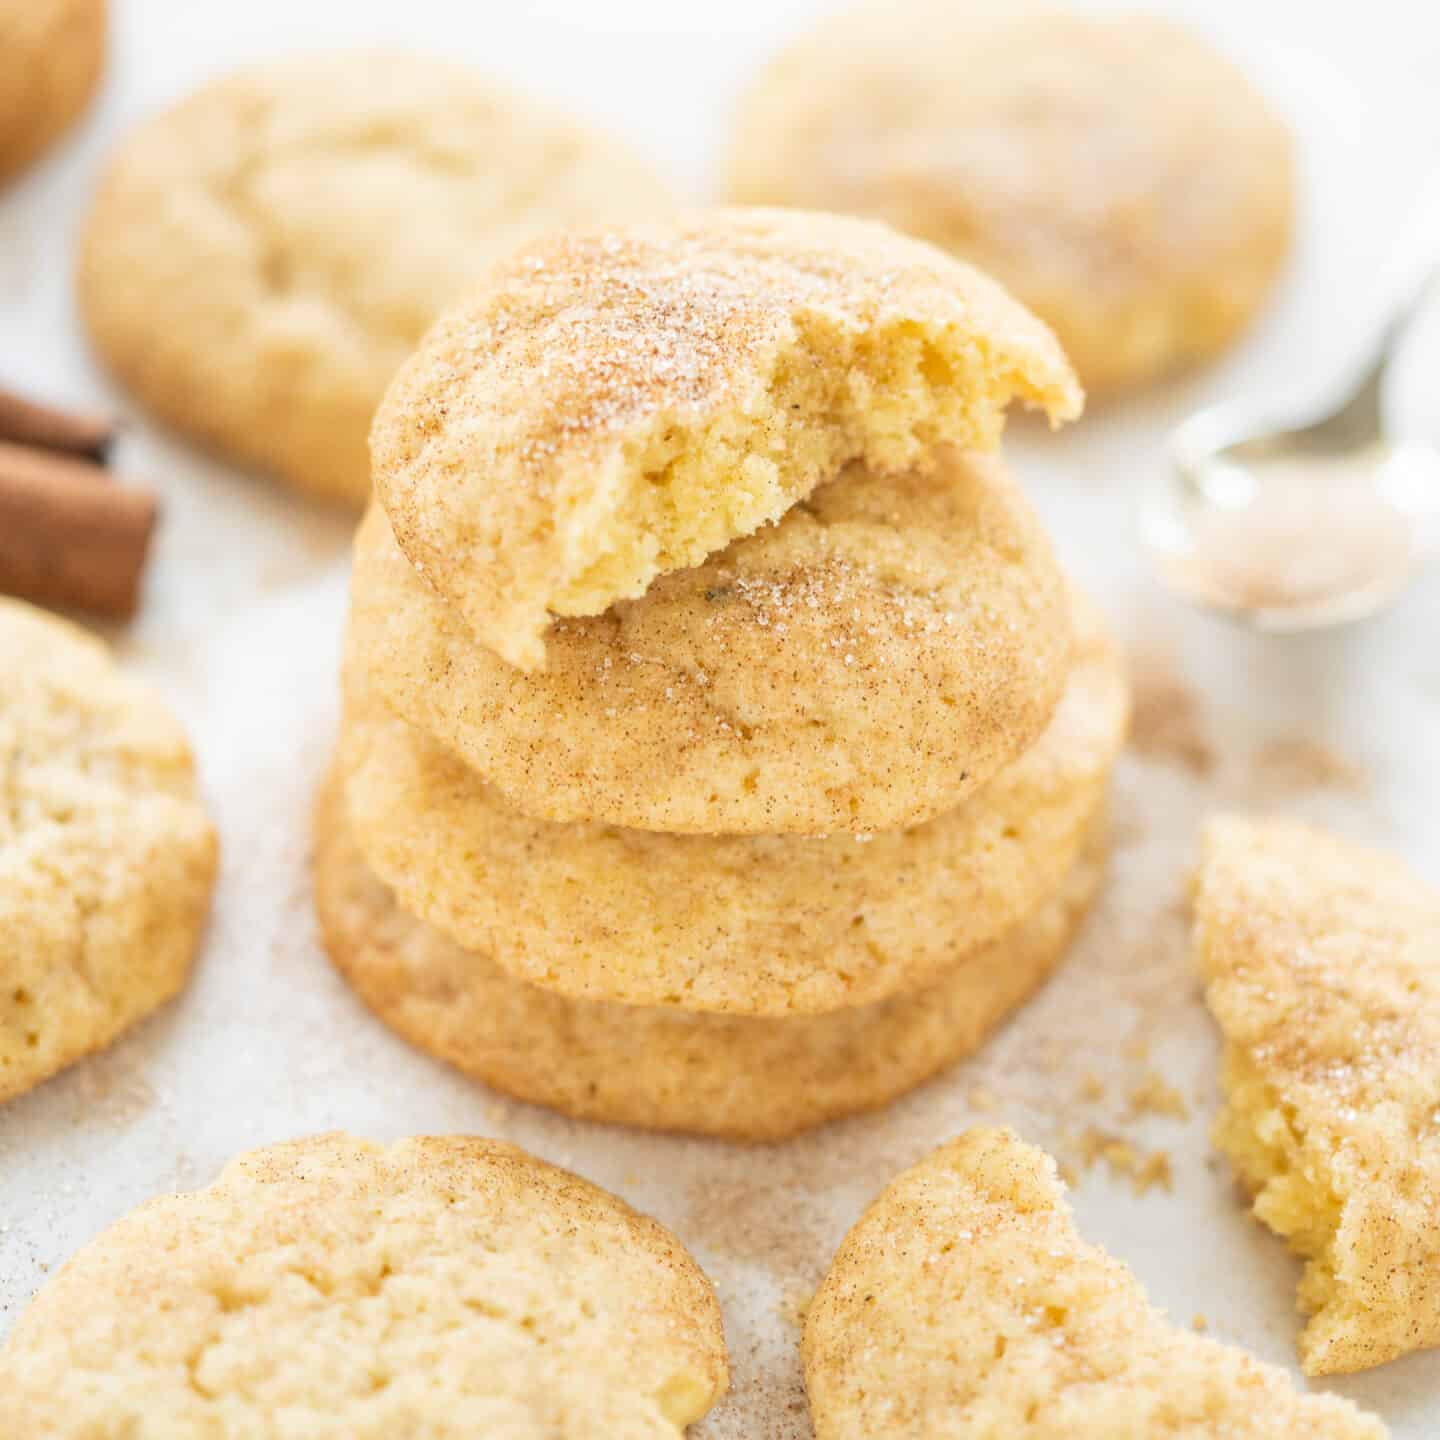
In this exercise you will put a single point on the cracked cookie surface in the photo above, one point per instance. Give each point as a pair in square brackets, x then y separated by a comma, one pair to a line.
[107, 857]
[1321, 962]
[262, 256]
[612, 405]
[864, 664]
[333, 1288]
[1073, 157]
[51, 56]
[751, 924]
[964, 1306]
[733, 1076]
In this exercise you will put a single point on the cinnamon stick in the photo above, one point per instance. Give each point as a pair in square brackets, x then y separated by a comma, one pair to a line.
[82, 433]
[68, 536]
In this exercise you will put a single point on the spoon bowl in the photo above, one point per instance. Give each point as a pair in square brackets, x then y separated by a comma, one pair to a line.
[1290, 526]
[1277, 532]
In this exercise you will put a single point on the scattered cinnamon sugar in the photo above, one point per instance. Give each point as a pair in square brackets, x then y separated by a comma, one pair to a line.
[113, 1086]
[739, 1218]
[1168, 722]
[794, 1305]
[1292, 764]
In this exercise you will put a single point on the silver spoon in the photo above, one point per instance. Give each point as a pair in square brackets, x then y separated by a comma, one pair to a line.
[1293, 525]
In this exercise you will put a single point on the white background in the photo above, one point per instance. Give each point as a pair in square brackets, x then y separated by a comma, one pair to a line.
[239, 630]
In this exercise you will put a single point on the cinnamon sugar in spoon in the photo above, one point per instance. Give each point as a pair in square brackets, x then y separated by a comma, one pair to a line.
[1298, 525]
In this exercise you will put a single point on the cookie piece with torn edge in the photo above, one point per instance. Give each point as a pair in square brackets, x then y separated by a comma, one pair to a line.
[444, 1286]
[964, 1306]
[1321, 962]
[612, 404]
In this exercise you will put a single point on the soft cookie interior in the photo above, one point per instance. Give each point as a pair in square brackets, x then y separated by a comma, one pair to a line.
[614, 404]
[1319, 962]
[835, 394]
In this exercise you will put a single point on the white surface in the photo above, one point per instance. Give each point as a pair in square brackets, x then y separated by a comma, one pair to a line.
[239, 630]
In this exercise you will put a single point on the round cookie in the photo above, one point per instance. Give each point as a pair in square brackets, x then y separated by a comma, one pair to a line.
[1116, 173]
[751, 924]
[610, 405]
[335, 1289]
[107, 858]
[51, 56]
[964, 1304]
[262, 256]
[735, 1077]
[864, 664]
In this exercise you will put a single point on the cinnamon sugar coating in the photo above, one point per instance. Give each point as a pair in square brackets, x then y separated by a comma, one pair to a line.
[863, 665]
[610, 405]
[107, 854]
[964, 1306]
[752, 924]
[734, 1076]
[1322, 967]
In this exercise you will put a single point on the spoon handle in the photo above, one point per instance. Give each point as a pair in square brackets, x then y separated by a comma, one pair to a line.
[1414, 271]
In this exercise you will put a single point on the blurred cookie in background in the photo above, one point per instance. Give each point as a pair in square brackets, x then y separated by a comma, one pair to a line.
[51, 56]
[1119, 175]
[262, 256]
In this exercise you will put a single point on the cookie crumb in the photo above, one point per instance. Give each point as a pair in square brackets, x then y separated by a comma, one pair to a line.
[1291, 764]
[1168, 723]
[1124, 1160]
[1154, 1170]
[1152, 1094]
[1198, 1323]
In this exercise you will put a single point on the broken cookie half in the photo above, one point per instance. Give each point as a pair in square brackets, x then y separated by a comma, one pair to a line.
[1322, 968]
[964, 1306]
[614, 404]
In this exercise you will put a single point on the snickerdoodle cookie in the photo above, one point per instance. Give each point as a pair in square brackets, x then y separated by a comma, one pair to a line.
[263, 255]
[734, 1076]
[1118, 174]
[964, 1306]
[1322, 968]
[51, 56]
[335, 1289]
[612, 404]
[864, 664]
[107, 857]
[755, 924]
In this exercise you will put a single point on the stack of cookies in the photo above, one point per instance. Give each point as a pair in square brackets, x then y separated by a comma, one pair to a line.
[723, 749]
